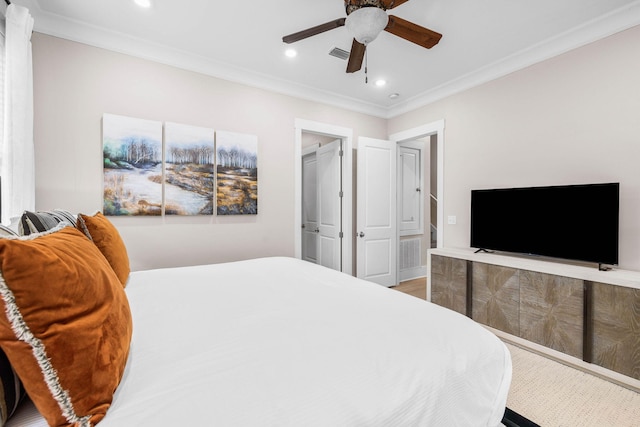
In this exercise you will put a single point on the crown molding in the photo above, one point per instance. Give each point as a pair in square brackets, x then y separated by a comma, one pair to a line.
[62, 27]
[607, 25]
[81, 32]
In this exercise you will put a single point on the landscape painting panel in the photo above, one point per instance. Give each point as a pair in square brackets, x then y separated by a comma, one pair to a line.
[189, 173]
[132, 154]
[237, 173]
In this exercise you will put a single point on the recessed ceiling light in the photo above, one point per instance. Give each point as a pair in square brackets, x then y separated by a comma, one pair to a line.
[143, 3]
[381, 82]
[291, 53]
[394, 95]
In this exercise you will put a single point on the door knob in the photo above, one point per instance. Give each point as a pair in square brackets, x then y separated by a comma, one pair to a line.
[317, 230]
[361, 234]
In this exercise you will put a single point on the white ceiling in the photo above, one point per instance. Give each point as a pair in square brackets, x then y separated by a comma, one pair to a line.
[242, 41]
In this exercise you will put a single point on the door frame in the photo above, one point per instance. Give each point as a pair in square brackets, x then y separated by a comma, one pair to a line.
[346, 134]
[429, 129]
[304, 233]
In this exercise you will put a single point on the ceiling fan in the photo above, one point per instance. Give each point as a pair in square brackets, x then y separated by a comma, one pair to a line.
[365, 20]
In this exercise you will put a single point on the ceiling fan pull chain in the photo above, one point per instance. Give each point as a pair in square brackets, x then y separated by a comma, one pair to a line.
[366, 65]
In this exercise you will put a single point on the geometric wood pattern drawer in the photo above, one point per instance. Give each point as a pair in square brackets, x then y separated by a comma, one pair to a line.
[496, 297]
[448, 283]
[551, 311]
[616, 328]
[598, 323]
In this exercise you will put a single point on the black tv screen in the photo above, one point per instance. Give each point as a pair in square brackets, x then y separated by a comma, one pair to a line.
[574, 222]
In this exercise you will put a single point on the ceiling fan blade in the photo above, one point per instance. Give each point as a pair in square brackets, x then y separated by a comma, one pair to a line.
[412, 32]
[356, 56]
[291, 38]
[390, 4]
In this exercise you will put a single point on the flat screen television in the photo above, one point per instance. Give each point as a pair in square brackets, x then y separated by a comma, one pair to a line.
[573, 222]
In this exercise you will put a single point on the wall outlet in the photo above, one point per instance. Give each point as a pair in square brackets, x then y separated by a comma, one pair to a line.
[451, 220]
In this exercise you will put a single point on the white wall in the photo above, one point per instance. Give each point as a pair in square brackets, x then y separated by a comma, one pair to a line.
[571, 119]
[74, 84]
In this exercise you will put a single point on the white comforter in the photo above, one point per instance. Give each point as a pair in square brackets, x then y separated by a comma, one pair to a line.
[282, 342]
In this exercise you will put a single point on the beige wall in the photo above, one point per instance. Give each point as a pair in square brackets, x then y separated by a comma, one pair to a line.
[74, 84]
[571, 119]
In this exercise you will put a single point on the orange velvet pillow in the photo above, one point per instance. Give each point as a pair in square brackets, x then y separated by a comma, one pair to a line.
[66, 325]
[106, 237]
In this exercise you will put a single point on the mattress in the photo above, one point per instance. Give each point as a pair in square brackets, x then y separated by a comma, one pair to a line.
[283, 342]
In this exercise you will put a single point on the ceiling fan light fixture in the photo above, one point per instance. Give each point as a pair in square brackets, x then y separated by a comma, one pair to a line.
[366, 23]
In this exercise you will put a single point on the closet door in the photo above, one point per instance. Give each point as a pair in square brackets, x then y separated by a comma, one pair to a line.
[329, 205]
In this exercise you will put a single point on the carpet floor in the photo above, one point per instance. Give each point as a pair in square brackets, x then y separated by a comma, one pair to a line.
[555, 395]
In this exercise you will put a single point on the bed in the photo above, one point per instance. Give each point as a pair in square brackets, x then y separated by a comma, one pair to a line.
[283, 342]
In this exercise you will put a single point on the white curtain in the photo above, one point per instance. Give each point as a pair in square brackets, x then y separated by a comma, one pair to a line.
[17, 169]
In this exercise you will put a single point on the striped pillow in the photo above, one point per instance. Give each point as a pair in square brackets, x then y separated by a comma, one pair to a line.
[37, 222]
[6, 231]
[11, 389]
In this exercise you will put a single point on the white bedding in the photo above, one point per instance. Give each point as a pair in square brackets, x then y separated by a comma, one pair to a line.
[282, 342]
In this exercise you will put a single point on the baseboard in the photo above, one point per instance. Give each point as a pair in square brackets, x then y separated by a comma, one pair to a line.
[413, 273]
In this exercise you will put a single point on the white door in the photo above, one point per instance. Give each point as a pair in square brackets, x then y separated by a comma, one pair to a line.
[329, 205]
[410, 194]
[309, 208]
[376, 211]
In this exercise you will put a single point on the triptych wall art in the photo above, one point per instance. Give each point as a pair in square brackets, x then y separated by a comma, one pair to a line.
[190, 171]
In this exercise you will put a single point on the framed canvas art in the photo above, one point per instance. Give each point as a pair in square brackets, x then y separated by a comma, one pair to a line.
[237, 174]
[132, 165]
[189, 172]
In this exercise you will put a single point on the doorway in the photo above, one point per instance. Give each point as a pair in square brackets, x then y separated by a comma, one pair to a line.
[341, 259]
[378, 244]
[431, 130]
[322, 196]
[417, 205]
[434, 134]
[432, 137]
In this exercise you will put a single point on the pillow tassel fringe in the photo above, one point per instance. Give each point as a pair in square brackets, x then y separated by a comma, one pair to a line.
[23, 333]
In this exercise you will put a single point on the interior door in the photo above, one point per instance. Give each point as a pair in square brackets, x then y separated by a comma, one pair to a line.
[376, 211]
[329, 205]
[411, 200]
[310, 208]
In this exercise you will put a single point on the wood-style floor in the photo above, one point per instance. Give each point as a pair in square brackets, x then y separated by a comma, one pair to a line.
[415, 287]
